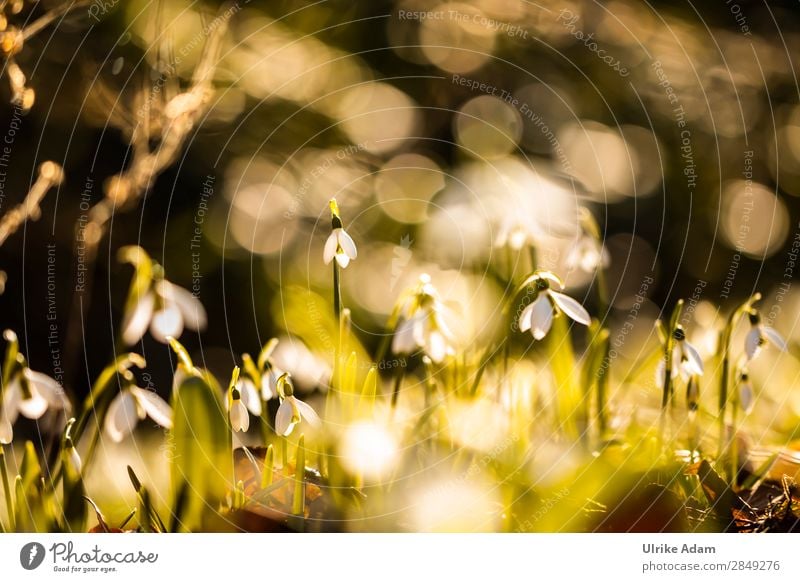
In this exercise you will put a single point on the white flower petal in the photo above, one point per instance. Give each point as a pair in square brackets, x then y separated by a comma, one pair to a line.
[33, 407]
[746, 396]
[167, 322]
[240, 419]
[269, 383]
[524, 321]
[154, 406]
[49, 389]
[122, 416]
[347, 244]
[660, 373]
[541, 316]
[331, 246]
[11, 398]
[308, 413]
[774, 337]
[249, 396]
[437, 347]
[6, 430]
[403, 340]
[693, 359]
[192, 310]
[136, 322]
[283, 419]
[752, 342]
[571, 307]
[343, 260]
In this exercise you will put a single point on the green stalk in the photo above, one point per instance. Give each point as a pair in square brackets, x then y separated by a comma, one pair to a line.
[299, 498]
[269, 467]
[727, 335]
[337, 291]
[7, 490]
[398, 381]
[669, 345]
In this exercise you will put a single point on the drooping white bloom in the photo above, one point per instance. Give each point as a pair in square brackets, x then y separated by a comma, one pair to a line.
[166, 309]
[516, 232]
[130, 406]
[340, 246]
[423, 327]
[538, 316]
[746, 399]
[759, 335]
[686, 361]
[587, 254]
[240, 417]
[42, 394]
[291, 411]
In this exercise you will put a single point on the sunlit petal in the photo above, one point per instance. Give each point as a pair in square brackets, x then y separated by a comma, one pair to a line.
[774, 337]
[403, 341]
[693, 359]
[154, 406]
[136, 323]
[33, 407]
[525, 318]
[122, 416]
[746, 396]
[6, 430]
[347, 244]
[249, 395]
[240, 419]
[283, 419]
[572, 308]
[49, 389]
[541, 317]
[331, 246]
[192, 310]
[437, 347]
[752, 343]
[343, 260]
[269, 384]
[167, 322]
[308, 413]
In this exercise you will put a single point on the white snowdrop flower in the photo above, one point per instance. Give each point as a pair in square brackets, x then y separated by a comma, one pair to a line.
[423, 327]
[516, 233]
[686, 360]
[249, 395]
[746, 397]
[339, 245]
[587, 254]
[292, 410]
[759, 335]
[30, 394]
[239, 415]
[166, 309]
[538, 316]
[130, 406]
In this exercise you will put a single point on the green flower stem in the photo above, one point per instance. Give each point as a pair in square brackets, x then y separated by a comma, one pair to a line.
[724, 379]
[7, 491]
[299, 498]
[734, 449]
[337, 291]
[398, 382]
[667, 394]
